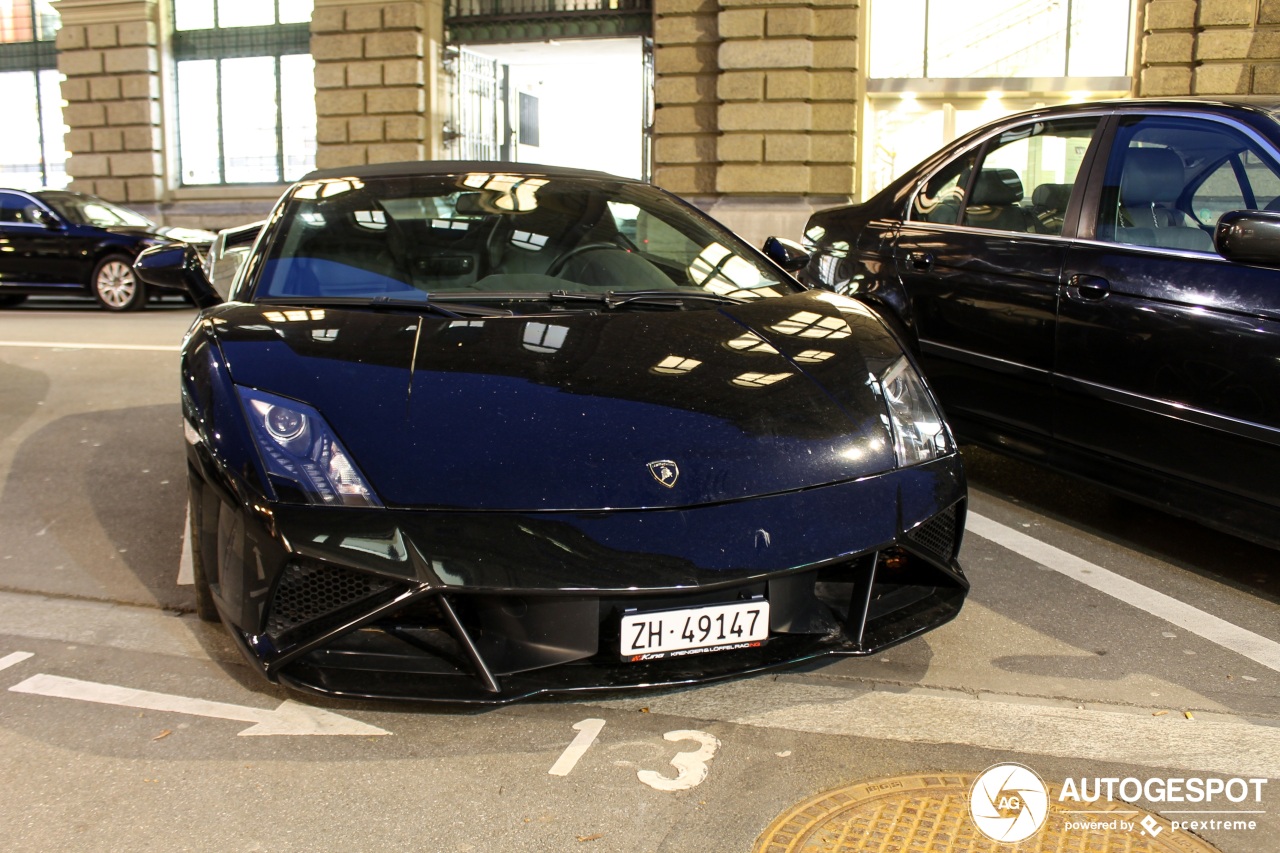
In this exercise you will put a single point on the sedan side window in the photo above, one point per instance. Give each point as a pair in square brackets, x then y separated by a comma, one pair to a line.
[1170, 179]
[942, 197]
[1027, 175]
[16, 210]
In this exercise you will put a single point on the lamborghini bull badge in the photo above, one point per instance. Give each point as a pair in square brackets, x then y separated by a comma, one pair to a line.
[665, 472]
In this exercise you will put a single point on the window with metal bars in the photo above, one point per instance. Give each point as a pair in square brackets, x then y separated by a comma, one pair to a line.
[245, 84]
[32, 151]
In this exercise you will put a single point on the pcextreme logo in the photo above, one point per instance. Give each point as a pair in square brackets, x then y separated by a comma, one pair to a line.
[1008, 803]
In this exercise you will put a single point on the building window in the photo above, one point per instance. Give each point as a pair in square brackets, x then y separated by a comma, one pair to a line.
[245, 91]
[999, 38]
[32, 151]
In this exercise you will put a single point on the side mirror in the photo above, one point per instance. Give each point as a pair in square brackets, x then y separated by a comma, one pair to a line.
[177, 267]
[786, 254]
[45, 218]
[1249, 237]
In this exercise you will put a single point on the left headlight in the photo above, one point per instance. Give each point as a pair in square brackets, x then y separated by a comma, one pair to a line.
[919, 432]
[304, 458]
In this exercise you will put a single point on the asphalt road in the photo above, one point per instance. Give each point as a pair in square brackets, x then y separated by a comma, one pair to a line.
[1101, 640]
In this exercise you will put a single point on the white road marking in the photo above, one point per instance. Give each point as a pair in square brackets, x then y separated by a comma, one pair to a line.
[14, 659]
[291, 718]
[1233, 747]
[186, 570]
[588, 731]
[691, 767]
[1253, 646]
[73, 345]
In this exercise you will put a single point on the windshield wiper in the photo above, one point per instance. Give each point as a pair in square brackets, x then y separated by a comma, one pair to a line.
[659, 298]
[454, 310]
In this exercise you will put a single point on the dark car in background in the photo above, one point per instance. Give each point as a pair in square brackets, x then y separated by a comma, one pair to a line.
[477, 431]
[1094, 287]
[56, 242]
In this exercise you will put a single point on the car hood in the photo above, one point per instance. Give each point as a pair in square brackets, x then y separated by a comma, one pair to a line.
[194, 236]
[582, 410]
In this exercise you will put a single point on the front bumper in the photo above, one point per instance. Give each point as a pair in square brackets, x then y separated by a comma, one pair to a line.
[493, 607]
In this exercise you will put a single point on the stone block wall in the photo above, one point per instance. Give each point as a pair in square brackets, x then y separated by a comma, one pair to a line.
[1209, 47]
[110, 57]
[372, 78]
[756, 107]
[685, 133]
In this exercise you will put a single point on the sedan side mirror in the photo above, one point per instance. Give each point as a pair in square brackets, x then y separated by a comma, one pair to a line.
[45, 218]
[177, 266]
[786, 253]
[1249, 237]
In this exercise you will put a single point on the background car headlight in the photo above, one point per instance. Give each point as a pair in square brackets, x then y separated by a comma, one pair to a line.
[919, 432]
[303, 456]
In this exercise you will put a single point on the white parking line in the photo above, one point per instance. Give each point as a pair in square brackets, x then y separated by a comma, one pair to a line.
[81, 345]
[14, 659]
[1253, 646]
[186, 571]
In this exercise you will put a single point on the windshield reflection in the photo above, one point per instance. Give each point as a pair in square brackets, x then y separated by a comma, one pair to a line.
[500, 236]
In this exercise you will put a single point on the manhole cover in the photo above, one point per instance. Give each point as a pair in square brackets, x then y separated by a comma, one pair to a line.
[930, 814]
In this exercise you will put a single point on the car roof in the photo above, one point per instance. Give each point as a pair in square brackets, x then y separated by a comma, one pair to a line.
[414, 168]
[1268, 106]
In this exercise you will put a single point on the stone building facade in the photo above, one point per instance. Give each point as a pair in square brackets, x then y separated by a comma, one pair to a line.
[757, 102]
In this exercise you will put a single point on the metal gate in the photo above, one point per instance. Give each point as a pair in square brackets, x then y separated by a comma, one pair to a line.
[480, 127]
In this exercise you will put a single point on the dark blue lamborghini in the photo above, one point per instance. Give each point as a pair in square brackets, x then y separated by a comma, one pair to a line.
[476, 431]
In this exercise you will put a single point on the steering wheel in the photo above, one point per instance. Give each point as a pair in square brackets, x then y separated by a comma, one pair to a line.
[559, 263]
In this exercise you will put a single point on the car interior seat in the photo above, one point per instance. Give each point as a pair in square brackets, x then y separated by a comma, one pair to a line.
[1151, 180]
[1049, 206]
[994, 202]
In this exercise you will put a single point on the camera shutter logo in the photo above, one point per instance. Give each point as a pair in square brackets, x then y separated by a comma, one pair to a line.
[1008, 803]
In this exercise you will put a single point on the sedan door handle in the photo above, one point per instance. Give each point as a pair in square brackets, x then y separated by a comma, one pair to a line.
[1088, 287]
[919, 261]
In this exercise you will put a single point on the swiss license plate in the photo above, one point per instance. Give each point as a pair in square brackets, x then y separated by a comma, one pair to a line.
[673, 633]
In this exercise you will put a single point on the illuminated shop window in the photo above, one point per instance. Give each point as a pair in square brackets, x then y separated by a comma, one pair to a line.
[999, 38]
[32, 152]
[245, 91]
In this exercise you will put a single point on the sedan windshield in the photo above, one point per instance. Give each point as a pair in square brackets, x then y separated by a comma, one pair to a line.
[87, 210]
[491, 236]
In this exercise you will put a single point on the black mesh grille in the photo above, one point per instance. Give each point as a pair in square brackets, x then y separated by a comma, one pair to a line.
[937, 536]
[309, 591]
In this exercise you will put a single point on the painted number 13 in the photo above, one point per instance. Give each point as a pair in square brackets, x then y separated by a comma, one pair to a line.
[691, 766]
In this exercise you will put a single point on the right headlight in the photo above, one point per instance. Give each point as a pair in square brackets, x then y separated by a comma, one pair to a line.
[919, 432]
[302, 454]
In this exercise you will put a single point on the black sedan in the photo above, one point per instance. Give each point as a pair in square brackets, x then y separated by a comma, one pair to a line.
[55, 242]
[476, 431]
[1096, 288]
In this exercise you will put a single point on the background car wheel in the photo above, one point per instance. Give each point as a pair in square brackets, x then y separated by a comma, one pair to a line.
[11, 299]
[116, 287]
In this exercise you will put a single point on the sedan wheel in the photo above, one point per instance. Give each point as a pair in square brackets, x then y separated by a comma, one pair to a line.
[116, 287]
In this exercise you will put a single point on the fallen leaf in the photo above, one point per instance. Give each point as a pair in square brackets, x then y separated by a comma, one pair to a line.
[1159, 713]
[164, 734]
[597, 836]
[1187, 714]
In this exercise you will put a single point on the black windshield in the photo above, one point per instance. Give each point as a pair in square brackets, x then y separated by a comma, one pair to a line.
[401, 238]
